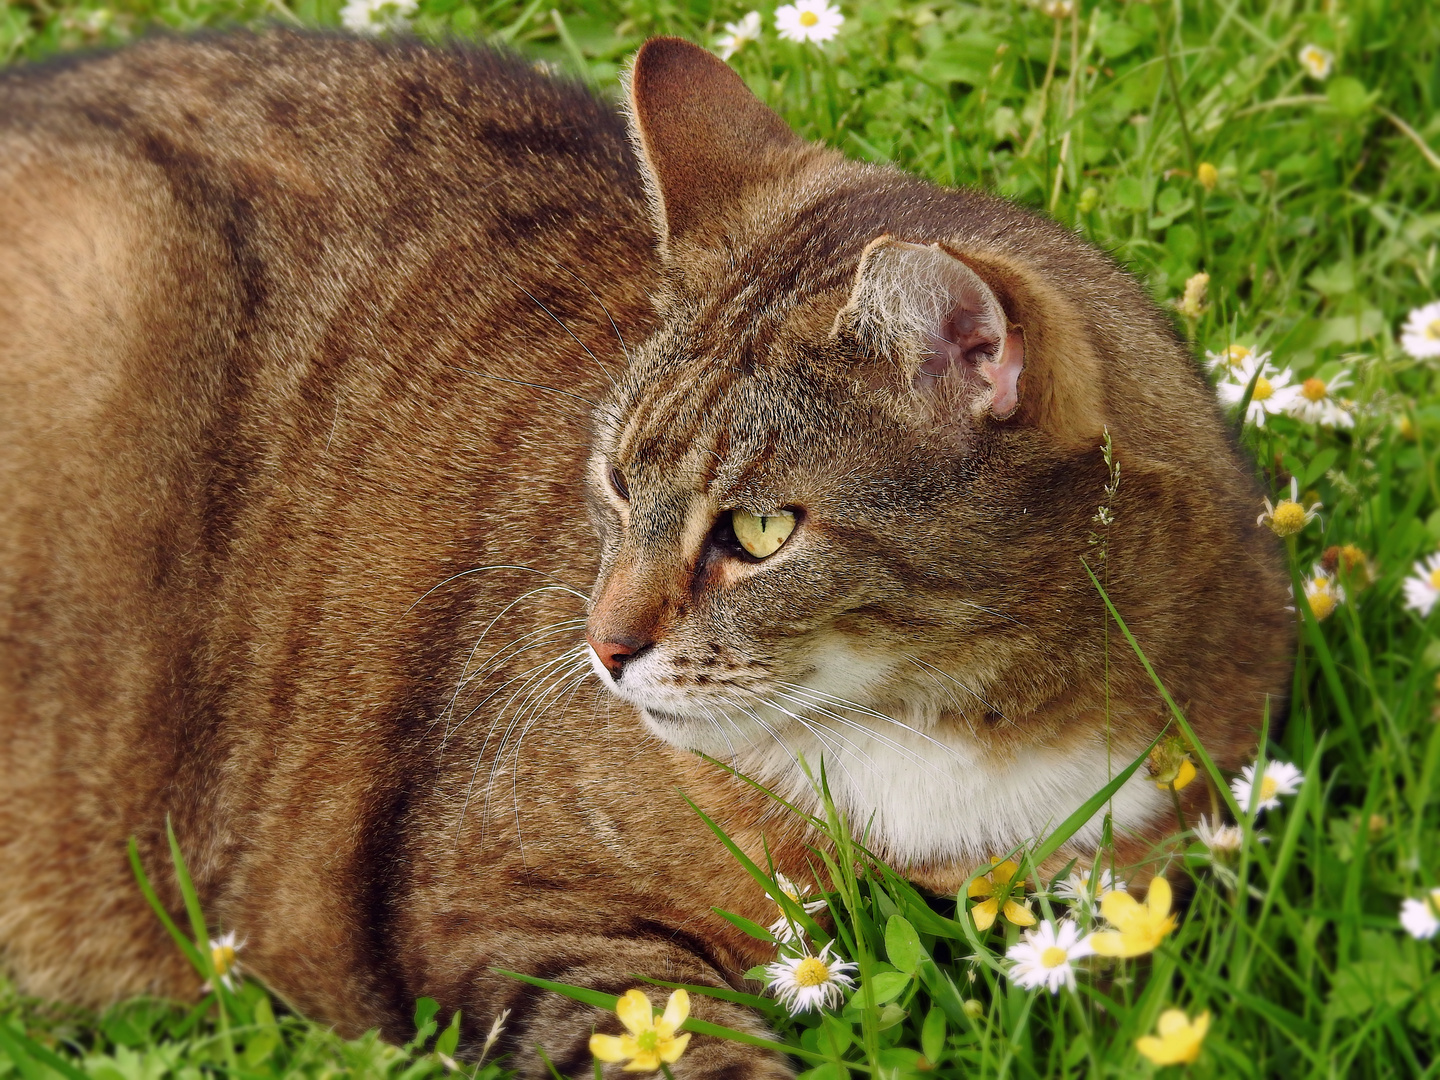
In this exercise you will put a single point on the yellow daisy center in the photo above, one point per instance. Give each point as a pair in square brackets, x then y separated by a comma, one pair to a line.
[1238, 354]
[1435, 578]
[223, 956]
[809, 18]
[1268, 786]
[1289, 518]
[1053, 957]
[1433, 330]
[1313, 389]
[1263, 389]
[792, 894]
[812, 971]
[1322, 603]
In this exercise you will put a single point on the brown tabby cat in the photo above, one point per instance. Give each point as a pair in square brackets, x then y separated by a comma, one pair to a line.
[322, 364]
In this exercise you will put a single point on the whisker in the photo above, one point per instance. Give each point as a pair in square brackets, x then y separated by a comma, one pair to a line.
[558, 322]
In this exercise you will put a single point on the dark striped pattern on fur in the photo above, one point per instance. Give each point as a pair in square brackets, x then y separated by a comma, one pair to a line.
[302, 339]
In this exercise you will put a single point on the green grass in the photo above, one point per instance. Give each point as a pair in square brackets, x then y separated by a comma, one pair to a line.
[1321, 233]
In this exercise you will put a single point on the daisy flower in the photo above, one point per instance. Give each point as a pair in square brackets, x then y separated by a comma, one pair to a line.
[1422, 588]
[738, 34]
[1316, 404]
[1177, 1039]
[1421, 918]
[1220, 839]
[784, 930]
[1323, 593]
[377, 16]
[1044, 957]
[811, 982]
[1317, 62]
[1351, 563]
[1138, 927]
[1079, 887]
[647, 1042]
[999, 881]
[1420, 336]
[1279, 778]
[1170, 765]
[808, 20]
[1273, 391]
[222, 955]
[1207, 175]
[1229, 360]
[1288, 516]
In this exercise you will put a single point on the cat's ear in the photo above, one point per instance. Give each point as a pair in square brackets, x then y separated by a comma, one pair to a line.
[704, 139]
[944, 322]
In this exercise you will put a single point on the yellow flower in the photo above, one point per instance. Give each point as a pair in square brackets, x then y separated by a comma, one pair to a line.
[1139, 928]
[1179, 1039]
[1170, 765]
[649, 1041]
[998, 884]
[1208, 175]
[1288, 516]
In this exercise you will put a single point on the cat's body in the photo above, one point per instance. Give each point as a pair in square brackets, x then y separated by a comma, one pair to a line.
[300, 340]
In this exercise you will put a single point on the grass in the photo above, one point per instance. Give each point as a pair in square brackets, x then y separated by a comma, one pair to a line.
[1319, 233]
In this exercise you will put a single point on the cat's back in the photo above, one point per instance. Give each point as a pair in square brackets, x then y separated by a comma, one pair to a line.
[288, 327]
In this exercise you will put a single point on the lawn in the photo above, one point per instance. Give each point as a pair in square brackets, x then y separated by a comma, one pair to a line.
[1269, 169]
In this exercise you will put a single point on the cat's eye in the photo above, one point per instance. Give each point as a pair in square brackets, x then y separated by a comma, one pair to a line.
[762, 534]
[617, 482]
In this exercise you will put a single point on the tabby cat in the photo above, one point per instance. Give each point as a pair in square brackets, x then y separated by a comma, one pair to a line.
[324, 363]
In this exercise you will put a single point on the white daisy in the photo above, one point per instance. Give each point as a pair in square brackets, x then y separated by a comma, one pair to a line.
[1317, 62]
[1273, 391]
[1220, 839]
[1316, 404]
[1228, 360]
[377, 16]
[1323, 593]
[808, 20]
[1421, 918]
[1420, 336]
[1044, 957]
[1422, 588]
[1288, 516]
[1279, 778]
[222, 955]
[783, 928]
[738, 34]
[1078, 888]
[811, 982]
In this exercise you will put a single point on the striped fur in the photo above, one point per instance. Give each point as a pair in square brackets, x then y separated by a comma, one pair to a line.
[315, 356]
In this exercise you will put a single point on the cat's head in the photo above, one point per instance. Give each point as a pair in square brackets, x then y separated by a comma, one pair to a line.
[846, 495]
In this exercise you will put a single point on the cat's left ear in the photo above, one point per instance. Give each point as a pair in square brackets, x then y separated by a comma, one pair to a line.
[945, 322]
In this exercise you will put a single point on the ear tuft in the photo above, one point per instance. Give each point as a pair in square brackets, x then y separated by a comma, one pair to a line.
[960, 350]
[704, 138]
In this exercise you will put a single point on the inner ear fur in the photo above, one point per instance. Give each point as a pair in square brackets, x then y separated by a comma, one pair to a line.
[704, 139]
[977, 334]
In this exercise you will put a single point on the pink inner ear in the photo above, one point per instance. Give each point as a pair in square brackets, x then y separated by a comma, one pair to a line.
[1004, 374]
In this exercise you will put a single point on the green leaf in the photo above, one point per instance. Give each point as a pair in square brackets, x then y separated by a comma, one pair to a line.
[1130, 194]
[1117, 39]
[888, 985]
[902, 944]
[932, 1035]
[449, 1038]
[1348, 96]
[425, 1010]
[755, 930]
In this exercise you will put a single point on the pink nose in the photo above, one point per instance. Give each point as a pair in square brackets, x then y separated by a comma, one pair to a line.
[614, 654]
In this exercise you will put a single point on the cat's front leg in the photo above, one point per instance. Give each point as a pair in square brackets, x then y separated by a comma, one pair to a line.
[562, 1027]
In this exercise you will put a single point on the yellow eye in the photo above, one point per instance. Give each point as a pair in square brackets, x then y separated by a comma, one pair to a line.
[762, 534]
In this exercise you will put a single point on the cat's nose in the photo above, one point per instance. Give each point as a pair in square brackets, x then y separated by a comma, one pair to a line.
[615, 654]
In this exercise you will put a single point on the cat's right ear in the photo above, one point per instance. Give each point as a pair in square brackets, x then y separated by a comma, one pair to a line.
[705, 140]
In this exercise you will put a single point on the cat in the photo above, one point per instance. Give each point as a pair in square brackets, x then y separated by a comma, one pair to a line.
[411, 467]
